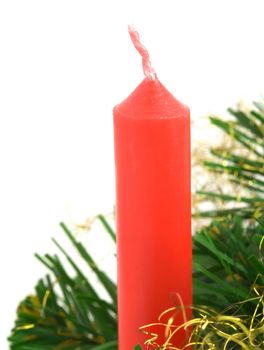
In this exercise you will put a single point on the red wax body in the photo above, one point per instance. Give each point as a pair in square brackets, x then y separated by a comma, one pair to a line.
[152, 153]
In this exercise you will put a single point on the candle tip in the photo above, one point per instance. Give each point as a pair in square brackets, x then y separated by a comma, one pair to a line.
[147, 67]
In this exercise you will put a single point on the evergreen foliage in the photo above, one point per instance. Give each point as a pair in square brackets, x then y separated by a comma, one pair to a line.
[227, 263]
[67, 312]
[241, 161]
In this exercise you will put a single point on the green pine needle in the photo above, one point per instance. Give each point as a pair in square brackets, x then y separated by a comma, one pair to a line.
[242, 164]
[67, 312]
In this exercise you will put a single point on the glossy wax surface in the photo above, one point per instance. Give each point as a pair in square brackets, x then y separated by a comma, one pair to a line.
[152, 154]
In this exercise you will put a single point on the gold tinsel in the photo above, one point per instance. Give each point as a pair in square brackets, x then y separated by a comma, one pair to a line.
[211, 330]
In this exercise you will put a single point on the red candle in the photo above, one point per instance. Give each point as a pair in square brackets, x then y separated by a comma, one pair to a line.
[154, 249]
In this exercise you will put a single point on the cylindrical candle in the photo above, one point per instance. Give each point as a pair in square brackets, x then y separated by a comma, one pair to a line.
[152, 154]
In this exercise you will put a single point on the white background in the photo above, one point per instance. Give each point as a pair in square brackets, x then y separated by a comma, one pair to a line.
[63, 66]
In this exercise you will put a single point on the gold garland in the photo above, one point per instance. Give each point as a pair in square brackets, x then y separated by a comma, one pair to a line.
[211, 330]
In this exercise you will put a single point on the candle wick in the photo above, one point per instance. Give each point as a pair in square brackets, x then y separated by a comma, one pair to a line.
[147, 67]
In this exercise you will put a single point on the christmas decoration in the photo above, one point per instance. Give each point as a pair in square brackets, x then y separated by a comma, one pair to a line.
[228, 286]
[228, 272]
[153, 203]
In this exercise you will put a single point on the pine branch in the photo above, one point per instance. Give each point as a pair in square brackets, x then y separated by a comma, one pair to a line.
[226, 262]
[240, 163]
[67, 312]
